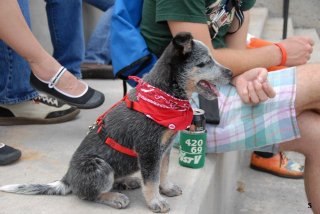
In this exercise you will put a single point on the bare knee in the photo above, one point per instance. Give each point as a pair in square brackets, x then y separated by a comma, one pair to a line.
[308, 87]
[308, 144]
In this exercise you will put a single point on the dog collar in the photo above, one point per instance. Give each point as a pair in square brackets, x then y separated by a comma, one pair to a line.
[164, 109]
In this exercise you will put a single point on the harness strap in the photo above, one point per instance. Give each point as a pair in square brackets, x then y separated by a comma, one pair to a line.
[109, 141]
[131, 105]
[113, 144]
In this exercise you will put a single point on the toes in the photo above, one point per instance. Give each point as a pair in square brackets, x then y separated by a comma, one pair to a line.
[120, 201]
[171, 191]
[159, 205]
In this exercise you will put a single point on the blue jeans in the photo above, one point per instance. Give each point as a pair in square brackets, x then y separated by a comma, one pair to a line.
[97, 50]
[15, 71]
[66, 29]
[67, 36]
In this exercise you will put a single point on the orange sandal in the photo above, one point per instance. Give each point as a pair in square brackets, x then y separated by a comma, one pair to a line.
[278, 165]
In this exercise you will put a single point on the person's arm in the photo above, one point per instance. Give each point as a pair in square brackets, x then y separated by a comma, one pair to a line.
[298, 48]
[242, 60]
[238, 39]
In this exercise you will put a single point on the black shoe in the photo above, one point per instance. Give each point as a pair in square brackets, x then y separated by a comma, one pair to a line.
[96, 71]
[44, 109]
[90, 99]
[8, 154]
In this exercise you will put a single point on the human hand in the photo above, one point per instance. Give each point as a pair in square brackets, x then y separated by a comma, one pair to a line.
[253, 87]
[299, 49]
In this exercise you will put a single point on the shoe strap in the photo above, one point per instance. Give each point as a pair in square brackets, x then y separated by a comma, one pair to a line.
[55, 79]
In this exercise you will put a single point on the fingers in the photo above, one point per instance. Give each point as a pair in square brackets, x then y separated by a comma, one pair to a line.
[259, 92]
[310, 40]
[252, 94]
[244, 95]
[262, 95]
[268, 90]
[253, 86]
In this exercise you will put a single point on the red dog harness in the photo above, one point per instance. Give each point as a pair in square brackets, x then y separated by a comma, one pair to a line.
[164, 109]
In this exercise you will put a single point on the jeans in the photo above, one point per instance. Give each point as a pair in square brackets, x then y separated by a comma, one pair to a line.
[67, 36]
[97, 50]
[15, 71]
[66, 30]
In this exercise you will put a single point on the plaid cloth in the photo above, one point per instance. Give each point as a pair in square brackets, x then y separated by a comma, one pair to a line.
[260, 127]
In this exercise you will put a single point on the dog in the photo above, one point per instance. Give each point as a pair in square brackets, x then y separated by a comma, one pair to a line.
[138, 141]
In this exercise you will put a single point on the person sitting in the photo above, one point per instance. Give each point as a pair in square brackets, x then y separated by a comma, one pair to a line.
[250, 119]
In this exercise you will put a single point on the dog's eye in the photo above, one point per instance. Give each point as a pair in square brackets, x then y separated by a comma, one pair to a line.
[200, 65]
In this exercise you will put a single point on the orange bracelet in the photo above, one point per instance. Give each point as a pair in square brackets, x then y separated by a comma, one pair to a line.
[284, 54]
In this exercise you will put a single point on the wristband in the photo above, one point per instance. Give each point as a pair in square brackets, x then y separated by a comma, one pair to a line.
[284, 54]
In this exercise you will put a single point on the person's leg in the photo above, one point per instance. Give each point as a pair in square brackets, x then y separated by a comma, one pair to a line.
[97, 50]
[308, 114]
[19, 102]
[15, 32]
[15, 71]
[309, 145]
[66, 30]
[97, 55]
[103, 5]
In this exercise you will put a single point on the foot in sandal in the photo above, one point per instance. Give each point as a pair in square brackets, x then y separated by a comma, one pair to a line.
[68, 88]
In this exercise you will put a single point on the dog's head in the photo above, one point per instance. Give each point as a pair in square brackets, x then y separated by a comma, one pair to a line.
[194, 68]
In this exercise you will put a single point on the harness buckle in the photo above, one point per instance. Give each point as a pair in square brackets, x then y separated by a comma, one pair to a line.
[92, 127]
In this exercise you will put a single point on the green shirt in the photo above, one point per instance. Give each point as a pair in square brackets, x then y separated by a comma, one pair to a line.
[156, 13]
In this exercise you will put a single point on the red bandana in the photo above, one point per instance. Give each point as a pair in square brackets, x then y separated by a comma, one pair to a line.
[161, 107]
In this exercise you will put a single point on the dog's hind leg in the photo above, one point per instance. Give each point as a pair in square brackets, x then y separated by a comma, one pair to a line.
[91, 178]
[127, 183]
[150, 171]
[166, 187]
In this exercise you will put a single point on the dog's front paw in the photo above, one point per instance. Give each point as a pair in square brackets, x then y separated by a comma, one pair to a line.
[170, 190]
[159, 205]
[119, 201]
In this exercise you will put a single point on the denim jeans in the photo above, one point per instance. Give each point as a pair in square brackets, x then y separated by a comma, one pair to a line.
[15, 71]
[97, 50]
[67, 36]
[66, 30]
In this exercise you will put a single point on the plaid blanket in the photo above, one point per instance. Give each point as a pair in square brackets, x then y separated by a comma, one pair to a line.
[259, 127]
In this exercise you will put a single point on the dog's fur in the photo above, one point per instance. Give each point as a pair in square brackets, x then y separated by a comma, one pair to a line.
[186, 66]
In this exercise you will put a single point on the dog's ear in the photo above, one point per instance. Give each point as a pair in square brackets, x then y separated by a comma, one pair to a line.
[183, 42]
